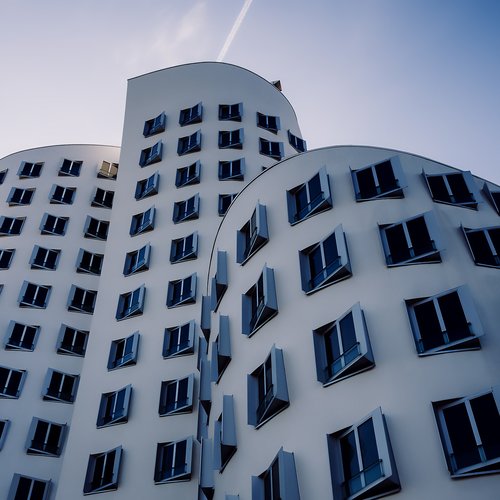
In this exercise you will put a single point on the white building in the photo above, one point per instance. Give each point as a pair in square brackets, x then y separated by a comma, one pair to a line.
[331, 333]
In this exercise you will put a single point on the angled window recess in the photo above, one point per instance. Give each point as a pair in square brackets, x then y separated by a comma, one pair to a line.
[45, 438]
[70, 168]
[174, 461]
[310, 198]
[342, 348]
[206, 318]
[221, 350]
[185, 248]
[297, 143]
[446, 322]
[205, 388]
[219, 281]
[142, 222]
[107, 170]
[325, 263]
[103, 198]
[11, 226]
[131, 304]
[279, 481]
[44, 258]
[230, 112]
[155, 125]
[188, 116]
[29, 170]
[179, 340]
[268, 122]
[361, 460]
[62, 195]
[259, 303]
[81, 300]
[267, 389]
[181, 292]
[51, 224]
[380, 180]
[484, 245]
[95, 229]
[137, 261]
[224, 434]
[102, 471]
[271, 148]
[457, 188]
[89, 263]
[11, 382]
[493, 196]
[147, 187]
[187, 176]
[224, 203]
[186, 209]
[21, 337]
[151, 155]
[231, 139]
[72, 341]
[206, 468]
[33, 295]
[6, 256]
[176, 396]
[3, 174]
[4, 429]
[59, 386]
[233, 170]
[469, 428]
[253, 235]
[31, 488]
[411, 241]
[189, 144]
[20, 196]
[123, 352]
[114, 407]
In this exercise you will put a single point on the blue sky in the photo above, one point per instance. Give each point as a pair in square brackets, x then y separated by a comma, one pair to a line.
[417, 75]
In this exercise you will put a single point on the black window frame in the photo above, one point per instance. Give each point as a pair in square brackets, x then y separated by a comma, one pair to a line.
[21, 337]
[40, 295]
[89, 262]
[72, 341]
[493, 196]
[81, 300]
[53, 225]
[6, 256]
[60, 386]
[103, 198]
[45, 438]
[11, 382]
[96, 229]
[224, 203]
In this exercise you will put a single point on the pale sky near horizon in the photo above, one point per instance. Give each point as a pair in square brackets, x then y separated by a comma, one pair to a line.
[421, 76]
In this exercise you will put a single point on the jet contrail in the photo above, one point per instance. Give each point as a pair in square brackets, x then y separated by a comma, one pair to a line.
[234, 30]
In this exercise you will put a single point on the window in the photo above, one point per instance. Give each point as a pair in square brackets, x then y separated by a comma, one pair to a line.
[492, 195]
[60, 386]
[225, 201]
[28, 170]
[253, 235]
[70, 168]
[183, 249]
[231, 139]
[45, 438]
[108, 170]
[10, 226]
[413, 241]
[445, 322]
[484, 245]
[44, 258]
[189, 144]
[174, 461]
[453, 189]
[179, 340]
[33, 295]
[221, 350]
[147, 187]
[103, 198]
[19, 196]
[51, 224]
[131, 304]
[271, 149]
[224, 434]
[3, 174]
[469, 428]
[151, 155]
[102, 471]
[4, 428]
[29, 488]
[259, 303]
[310, 198]
[233, 170]
[21, 337]
[186, 209]
[62, 195]
[297, 143]
[176, 396]
[342, 348]
[230, 112]
[114, 407]
[123, 352]
[81, 300]
[11, 382]
[378, 181]
[192, 115]
[137, 261]
[268, 122]
[279, 481]
[89, 263]
[219, 281]
[187, 176]
[95, 228]
[361, 460]
[6, 256]
[155, 125]
[72, 341]
[182, 291]
[142, 222]
[267, 389]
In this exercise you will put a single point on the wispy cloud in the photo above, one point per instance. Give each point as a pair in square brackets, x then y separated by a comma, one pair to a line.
[234, 30]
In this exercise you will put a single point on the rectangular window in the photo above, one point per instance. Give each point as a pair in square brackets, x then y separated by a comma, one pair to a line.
[233, 170]
[114, 407]
[219, 282]
[230, 112]
[187, 176]
[224, 435]
[147, 187]
[3, 174]
[142, 222]
[95, 228]
[457, 188]
[176, 396]
[492, 195]
[484, 245]
[174, 461]
[137, 261]
[4, 428]
[221, 350]
[469, 428]
[11, 226]
[361, 460]
[445, 322]
[81, 300]
[253, 235]
[21, 337]
[30, 170]
[224, 203]
[89, 263]
[181, 292]
[179, 340]
[183, 249]
[192, 115]
[189, 144]
[19, 196]
[267, 389]
[231, 139]
[51, 224]
[11, 382]
[45, 438]
[155, 125]
[131, 304]
[70, 168]
[102, 471]
[310, 198]
[29, 488]
[108, 170]
[103, 198]
[123, 352]
[33, 295]
[271, 148]
[268, 122]
[297, 143]
[342, 348]
[6, 256]
[44, 258]
[151, 155]
[60, 386]
[186, 209]
[72, 341]
[62, 195]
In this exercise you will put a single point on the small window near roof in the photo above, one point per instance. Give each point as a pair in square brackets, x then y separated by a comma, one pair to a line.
[155, 125]
[108, 170]
[230, 112]
[3, 174]
[457, 188]
[268, 122]
[188, 116]
[484, 245]
[493, 196]
[30, 170]
[70, 168]
[297, 143]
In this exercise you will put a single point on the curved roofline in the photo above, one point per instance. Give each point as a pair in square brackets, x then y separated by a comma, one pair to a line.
[58, 146]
